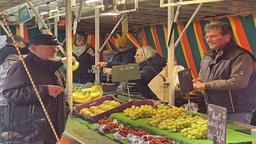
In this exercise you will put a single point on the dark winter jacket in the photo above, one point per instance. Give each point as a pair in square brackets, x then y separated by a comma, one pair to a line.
[230, 78]
[148, 70]
[4, 68]
[122, 58]
[26, 116]
[10, 49]
[84, 72]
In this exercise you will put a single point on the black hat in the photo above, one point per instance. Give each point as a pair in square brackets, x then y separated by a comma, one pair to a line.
[16, 38]
[44, 39]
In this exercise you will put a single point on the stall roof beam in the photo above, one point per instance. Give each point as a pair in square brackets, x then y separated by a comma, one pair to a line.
[162, 4]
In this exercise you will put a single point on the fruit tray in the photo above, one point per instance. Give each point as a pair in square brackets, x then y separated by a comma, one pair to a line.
[106, 114]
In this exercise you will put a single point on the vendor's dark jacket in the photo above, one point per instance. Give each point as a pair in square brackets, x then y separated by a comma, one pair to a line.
[26, 115]
[10, 49]
[121, 58]
[148, 70]
[84, 72]
[218, 66]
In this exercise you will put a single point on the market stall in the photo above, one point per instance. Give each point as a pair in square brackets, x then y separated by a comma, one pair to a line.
[83, 128]
[80, 128]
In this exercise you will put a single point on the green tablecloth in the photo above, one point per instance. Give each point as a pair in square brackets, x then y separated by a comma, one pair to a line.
[83, 132]
[80, 131]
[232, 135]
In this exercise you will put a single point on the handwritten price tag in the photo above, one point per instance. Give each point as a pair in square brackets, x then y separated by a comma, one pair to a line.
[217, 119]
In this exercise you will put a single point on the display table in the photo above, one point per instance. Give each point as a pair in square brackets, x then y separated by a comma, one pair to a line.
[80, 131]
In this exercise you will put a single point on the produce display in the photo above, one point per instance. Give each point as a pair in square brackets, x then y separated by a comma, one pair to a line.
[135, 136]
[83, 95]
[177, 119]
[105, 106]
[108, 126]
[143, 111]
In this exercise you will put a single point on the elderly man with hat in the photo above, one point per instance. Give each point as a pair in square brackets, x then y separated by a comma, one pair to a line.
[26, 121]
[9, 48]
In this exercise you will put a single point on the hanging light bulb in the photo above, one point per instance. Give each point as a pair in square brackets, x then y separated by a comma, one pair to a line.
[110, 8]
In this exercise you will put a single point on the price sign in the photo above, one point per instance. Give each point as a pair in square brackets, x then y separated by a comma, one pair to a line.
[217, 119]
[125, 72]
[24, 14]
[185, 80]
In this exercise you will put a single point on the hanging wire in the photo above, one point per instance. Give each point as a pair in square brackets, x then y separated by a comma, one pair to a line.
[29, 76]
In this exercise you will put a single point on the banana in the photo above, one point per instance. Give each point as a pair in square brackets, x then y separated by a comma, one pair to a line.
[75, 66]
[87, 99]
[96, 94]
[84, 99]
[94, 88]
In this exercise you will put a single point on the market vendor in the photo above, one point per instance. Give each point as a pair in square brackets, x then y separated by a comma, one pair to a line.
[150, 64]
[227, 74]
[124, 56]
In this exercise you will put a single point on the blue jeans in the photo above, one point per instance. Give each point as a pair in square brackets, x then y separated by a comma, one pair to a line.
[243, 117]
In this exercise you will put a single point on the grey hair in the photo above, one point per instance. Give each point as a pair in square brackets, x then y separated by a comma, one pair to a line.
[147, 52]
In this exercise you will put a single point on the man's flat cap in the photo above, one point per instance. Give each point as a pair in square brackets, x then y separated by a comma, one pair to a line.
[44, 39]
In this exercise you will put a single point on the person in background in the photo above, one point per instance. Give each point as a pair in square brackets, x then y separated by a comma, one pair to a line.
[84, 54]
[150, 64]
[9, 48]
[4, 68]
[26, 121]
[227, 74]
[124, 56]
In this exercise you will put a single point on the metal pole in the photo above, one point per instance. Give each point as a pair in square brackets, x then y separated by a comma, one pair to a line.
[21, 25]
[80, 10]
[97, 43]
[44, 25]
[187, 25]
[69, 53]
[56, 19]
[170, 62]
[112, 32]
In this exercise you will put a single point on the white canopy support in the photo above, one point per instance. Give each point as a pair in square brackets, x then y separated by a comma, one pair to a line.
[172, 4]
[80, 10]
[113, 30]
[21, 26]
[187, 25]
[170, 62]
[97, 43]
[69, 53]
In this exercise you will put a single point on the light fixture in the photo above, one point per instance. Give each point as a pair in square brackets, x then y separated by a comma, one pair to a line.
[110, 8]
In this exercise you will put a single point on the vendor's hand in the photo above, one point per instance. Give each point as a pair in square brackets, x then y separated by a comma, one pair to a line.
[107, 71]
[54, 90]
[198, 86]
[101, 64]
